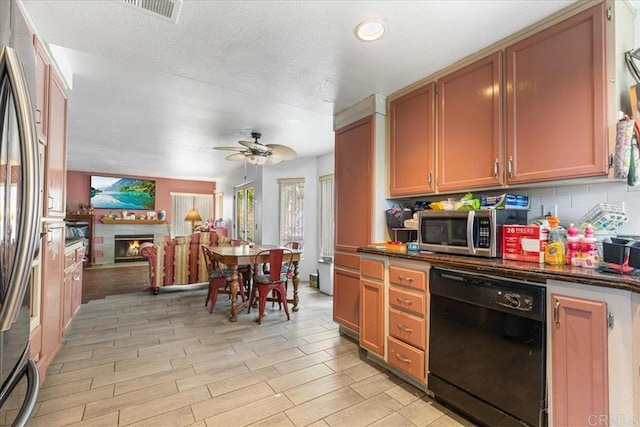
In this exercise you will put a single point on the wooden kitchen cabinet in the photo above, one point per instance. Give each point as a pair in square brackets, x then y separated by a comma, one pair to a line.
[72, 295]
[372, 316]
[42, 92]
[470, 153]
[412, 142]
[346, 298]
[354, 185]
[579, 354]
[55, 156]
[53, 262]
[556, 101]
[407, 338]
[354, 215]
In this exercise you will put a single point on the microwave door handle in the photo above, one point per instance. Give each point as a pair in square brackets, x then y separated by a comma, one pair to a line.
[470, 220]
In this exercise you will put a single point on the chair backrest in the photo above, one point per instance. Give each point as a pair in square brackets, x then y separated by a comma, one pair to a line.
[293, 245]
[209, 259]
[277, 257]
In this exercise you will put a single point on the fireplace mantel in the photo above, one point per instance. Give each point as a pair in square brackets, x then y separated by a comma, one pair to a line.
[132, 221]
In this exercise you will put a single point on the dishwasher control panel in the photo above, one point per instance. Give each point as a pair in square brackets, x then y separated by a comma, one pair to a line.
[514, 300]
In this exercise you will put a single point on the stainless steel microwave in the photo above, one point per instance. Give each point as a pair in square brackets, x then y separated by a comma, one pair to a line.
[475, 233]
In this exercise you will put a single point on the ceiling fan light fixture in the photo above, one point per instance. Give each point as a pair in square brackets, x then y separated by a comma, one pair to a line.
[369, 30]
[255, 159]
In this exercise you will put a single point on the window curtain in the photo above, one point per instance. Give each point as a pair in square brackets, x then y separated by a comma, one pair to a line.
[181, 203]
[291, 210]
[327, 212]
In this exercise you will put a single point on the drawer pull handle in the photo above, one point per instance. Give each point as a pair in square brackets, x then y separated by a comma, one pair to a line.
[405, 301]
[404, 328]
[76, 277]
[408, 279]
[402, 359]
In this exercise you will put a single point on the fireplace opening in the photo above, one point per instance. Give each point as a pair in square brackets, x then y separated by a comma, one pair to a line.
[127, 247]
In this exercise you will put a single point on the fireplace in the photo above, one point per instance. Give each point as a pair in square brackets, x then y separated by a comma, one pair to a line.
[127, 247]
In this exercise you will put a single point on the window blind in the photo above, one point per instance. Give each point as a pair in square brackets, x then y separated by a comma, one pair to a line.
[291, 210]
[181, 203]
[327, 221]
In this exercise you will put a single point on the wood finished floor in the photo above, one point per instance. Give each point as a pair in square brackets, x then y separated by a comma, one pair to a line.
[143, 360]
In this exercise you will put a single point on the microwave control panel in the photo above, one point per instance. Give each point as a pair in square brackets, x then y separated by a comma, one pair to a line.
[484, 233]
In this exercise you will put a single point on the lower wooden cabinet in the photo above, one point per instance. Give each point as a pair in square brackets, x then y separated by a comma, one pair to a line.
[579, 353]
[53, 262]
[72, 295]
[346, 298]
[372, 315]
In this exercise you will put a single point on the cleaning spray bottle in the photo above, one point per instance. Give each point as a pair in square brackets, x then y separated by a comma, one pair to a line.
[554, 251]
[589, 249]
[573, 246]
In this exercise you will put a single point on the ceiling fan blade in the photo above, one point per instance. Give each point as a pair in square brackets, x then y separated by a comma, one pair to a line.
[253, 146]
[237, 156]
[282, 152]
[240, 149]
[272, 161]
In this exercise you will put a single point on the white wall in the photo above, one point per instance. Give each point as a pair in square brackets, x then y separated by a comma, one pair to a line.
[306, 168]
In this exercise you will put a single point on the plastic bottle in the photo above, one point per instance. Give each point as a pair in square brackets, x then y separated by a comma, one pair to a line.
[589, 249]
[573, 246]
[554, 251]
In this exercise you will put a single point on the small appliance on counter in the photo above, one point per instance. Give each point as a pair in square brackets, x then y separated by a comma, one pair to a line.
[621, 256]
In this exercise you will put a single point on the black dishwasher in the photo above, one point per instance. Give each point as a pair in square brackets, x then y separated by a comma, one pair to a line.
[487, 347]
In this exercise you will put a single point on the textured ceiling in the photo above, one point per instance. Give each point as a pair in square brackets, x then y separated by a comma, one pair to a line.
[151, 97]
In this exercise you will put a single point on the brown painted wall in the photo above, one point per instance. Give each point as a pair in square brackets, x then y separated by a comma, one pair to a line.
[79, 184]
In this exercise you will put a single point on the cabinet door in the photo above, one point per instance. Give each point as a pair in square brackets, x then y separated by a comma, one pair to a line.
[556, 101]
[470, 126]
[353, 185]
[411, 139]
[55, 174]
[76, 301]
[346, 298]
[67, 300]
[52, 289]
[579, 356]
[42, 93]
[372, 315]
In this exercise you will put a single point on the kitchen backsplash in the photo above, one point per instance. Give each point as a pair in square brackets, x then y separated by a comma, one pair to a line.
[570, 202]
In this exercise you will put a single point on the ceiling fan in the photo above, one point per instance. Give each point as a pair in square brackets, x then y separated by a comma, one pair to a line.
[260, 154]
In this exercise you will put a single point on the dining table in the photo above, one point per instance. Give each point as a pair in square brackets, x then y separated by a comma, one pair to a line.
[233, 256]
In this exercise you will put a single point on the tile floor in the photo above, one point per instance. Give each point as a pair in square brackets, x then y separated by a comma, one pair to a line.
[144, 360]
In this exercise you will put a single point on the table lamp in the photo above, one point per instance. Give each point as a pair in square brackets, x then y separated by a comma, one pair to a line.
[193, 216]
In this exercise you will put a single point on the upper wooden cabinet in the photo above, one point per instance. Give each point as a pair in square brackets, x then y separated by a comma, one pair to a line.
[55, 157]
[42, 93]
[556, 101]
[412, 145]
[470, 126]
[353, 184]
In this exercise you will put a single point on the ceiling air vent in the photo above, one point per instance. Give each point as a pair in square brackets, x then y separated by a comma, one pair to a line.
[163, 9]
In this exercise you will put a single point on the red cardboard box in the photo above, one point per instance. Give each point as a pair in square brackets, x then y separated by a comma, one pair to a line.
[524, 242]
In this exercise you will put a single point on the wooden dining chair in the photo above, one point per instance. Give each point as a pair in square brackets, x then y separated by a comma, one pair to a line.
[274, 282]
[219, 277]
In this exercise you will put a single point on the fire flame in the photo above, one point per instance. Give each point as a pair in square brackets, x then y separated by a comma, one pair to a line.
[134, 248]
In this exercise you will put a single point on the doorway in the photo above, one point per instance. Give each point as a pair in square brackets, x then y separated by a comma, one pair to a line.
[245, 224]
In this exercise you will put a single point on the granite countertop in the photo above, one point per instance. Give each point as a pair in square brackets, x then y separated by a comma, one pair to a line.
[518, 269]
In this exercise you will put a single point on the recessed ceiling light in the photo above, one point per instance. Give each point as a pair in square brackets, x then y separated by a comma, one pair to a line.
[369, 30]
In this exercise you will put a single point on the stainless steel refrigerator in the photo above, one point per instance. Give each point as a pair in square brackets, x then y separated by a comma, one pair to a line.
[20, 206]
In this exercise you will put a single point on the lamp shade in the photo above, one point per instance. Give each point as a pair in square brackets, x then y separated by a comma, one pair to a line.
[193, 216]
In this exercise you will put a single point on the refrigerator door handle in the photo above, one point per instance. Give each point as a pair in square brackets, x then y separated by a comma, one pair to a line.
[33, 385]
[27, 234]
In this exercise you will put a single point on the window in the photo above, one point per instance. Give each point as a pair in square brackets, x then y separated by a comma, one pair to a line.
[181, 203]
[245, 223]
[291, 210]
[327, 214]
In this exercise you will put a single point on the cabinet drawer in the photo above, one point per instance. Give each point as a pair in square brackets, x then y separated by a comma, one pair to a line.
[406, 358]
[372, 269]
[407, 328]
[408, 301]
[69, 259]
[409, 278]
[80, 254]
